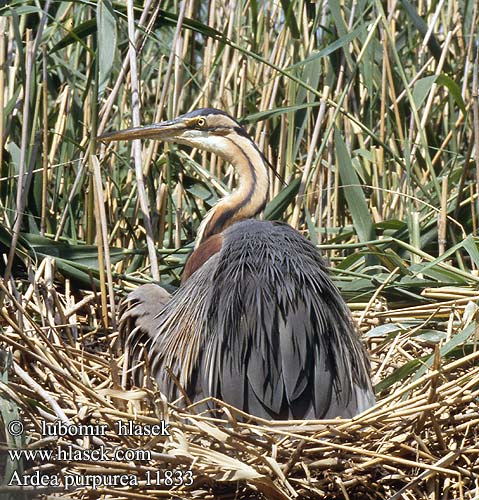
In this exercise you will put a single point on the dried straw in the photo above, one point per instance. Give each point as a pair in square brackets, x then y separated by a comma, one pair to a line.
[419, 441]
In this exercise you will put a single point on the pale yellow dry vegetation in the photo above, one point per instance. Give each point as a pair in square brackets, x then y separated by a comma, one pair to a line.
[368, 112]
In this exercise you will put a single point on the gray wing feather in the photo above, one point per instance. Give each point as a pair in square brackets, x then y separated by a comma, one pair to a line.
[282, 327]
[261, 326]
[137, 318]
[294, 354]
[143, 305]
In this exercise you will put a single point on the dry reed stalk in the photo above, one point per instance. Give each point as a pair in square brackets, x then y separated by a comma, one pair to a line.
[20, 196]
[2, 83]
[110, 102]
[43, 222]
[136, 145]
[102, 241]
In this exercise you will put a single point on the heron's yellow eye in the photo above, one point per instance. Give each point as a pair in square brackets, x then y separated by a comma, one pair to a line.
[201, 122]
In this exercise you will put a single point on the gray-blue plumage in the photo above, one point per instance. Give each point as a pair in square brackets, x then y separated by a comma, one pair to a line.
[261, 326]
[257, 321]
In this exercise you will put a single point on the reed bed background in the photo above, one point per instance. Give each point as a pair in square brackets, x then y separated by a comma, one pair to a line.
[368, 112]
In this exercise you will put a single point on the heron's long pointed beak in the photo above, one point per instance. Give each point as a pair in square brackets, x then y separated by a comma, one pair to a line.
[164, 131]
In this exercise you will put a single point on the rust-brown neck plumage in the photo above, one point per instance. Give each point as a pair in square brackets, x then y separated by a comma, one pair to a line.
[250, 196]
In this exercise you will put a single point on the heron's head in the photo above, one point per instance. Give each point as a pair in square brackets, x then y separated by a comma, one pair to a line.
[207, 129]
[214, 131]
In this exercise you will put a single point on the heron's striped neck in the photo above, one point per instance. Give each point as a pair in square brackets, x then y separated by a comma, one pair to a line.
[249, 198]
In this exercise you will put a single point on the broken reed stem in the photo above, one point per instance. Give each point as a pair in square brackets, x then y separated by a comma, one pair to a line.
[442, 220]
[42, 393]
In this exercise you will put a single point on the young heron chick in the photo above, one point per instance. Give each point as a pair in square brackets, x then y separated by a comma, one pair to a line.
[257, 321]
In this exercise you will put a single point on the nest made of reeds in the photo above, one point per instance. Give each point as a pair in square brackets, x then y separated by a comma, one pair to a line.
[419, 441]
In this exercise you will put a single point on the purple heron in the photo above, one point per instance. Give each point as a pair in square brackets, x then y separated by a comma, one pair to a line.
[257, 321]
